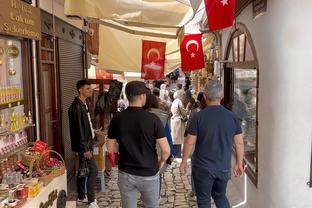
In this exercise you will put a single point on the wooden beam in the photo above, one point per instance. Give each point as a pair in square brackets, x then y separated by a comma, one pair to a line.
[242, 65]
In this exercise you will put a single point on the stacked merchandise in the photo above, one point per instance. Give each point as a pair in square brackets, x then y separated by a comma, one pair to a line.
[22, 180]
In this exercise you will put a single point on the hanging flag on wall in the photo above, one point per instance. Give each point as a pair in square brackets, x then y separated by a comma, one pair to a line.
[192, 55]
[153, 60]
[220, 13]
[102, 74]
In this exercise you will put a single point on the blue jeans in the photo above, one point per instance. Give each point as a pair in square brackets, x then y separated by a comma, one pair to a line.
[130, 185]
[211, 184]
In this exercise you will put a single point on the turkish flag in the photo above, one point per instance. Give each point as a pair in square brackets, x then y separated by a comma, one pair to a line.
[102, 74]
[153, 60]
[192, 55]
[220, 13]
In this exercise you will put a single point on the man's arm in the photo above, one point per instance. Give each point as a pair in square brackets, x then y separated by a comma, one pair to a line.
[189, 143]
[111, 144]
[165, 150]
[74, 123]
[239, 149]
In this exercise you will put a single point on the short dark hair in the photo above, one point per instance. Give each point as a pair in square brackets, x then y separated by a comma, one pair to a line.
[151, 102]
[82, 83]
[132, 98]
[200, 96]
[156, 92]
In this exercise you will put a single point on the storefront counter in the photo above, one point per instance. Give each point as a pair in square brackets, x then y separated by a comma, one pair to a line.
[49, 194]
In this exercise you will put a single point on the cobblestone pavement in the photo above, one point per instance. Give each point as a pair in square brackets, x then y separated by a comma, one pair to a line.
[175, 191]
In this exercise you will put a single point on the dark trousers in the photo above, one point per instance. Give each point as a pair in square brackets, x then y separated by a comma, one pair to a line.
[211, 184]
[177, 150]
[81, 182]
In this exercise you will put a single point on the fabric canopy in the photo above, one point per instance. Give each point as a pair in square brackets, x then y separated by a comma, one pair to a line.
[125, 23]
[121, 51]
[157, 12]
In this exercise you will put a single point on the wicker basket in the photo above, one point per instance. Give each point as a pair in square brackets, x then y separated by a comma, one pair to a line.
[32, 161]
[54, 173]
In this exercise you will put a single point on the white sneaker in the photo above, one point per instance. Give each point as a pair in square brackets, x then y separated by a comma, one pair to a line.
[82, 201]
[93, 205]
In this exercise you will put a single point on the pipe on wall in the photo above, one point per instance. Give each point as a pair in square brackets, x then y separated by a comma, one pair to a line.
[34, 47]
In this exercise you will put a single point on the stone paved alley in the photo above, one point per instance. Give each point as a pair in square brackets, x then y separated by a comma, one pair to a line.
[175, 192]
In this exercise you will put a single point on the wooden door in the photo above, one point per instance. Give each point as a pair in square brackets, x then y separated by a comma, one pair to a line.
[50, 125]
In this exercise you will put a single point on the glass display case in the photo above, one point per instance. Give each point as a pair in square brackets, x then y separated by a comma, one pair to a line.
[13, 119]
[245, 107]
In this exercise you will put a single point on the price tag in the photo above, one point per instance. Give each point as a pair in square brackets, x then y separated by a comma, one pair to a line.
[39, 146]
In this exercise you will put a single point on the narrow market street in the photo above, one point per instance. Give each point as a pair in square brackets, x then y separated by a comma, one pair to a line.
[175, 192]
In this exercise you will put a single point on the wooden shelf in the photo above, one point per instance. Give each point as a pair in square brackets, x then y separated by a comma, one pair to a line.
[17, 131]
[47, 62]
[13, 152]
[11, 104]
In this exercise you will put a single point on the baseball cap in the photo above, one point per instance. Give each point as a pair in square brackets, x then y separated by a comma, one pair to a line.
[135, 88]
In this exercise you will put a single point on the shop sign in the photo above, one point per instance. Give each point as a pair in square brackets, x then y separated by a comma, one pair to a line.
[51, 198]
[39, 146]
[20, 19]
[13, 51]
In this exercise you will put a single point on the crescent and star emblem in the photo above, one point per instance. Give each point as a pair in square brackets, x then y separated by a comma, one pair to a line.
[190, 42]
[153, 50]
[224, 2]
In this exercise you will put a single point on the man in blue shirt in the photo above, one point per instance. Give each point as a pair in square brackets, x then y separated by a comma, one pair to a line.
[213, 131]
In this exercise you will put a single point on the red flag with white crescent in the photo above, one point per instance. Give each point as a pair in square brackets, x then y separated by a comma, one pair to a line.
[220, 13]
[153, 60]
[192, 55]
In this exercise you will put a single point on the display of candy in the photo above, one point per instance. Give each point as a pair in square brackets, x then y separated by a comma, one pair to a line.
[53, 162]
[39, 173]
[20, 165]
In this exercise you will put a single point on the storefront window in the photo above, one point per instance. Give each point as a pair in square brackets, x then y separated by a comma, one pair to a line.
[241, 92]
[13, 119]
[245, 107]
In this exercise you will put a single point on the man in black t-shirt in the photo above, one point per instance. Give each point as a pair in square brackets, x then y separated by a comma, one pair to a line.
[137, 131]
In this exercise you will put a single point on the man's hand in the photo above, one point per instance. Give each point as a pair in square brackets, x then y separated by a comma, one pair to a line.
[189, 107]
[183, 167]
[238, 170]
[99, 132]
[88, 155]
[161, 163]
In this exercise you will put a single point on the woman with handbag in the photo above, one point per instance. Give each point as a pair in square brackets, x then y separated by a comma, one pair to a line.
[178, 121]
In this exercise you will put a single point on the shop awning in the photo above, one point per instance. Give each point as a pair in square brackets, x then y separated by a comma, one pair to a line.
[125, 23]
[121, 51]
[140, 12]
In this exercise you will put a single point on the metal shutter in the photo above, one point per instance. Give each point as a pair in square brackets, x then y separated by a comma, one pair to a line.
[71, 70]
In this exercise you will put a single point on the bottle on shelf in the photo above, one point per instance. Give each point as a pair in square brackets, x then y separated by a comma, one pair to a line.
[13, 126]
[10, 94]
[30, 120]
